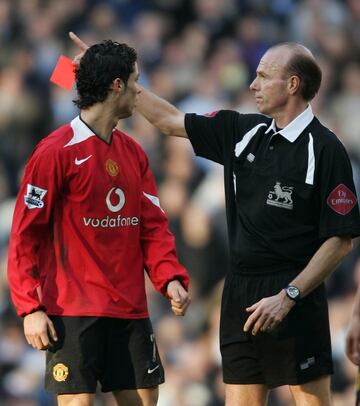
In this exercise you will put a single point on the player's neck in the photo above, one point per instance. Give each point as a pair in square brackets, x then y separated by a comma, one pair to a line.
[100, 120]
[289, 113]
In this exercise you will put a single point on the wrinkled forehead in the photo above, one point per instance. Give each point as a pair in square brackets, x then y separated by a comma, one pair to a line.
[274, 60]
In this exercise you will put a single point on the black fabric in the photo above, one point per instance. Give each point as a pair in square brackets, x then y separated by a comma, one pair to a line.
[310, 315]
[273, 362]
[118, 353]
[273, 358]
[266, 230]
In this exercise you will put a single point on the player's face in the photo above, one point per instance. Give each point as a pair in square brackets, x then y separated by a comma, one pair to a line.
[131, 93]
[270, 86]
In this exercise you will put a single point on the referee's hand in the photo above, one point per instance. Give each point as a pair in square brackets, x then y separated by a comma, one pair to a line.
[180, 298]
[268, 313]
[37, 327]
[81, 45]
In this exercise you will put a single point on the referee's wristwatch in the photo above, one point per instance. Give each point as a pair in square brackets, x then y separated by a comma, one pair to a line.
[293, 293]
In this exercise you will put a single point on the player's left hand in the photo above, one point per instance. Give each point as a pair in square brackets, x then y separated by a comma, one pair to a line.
[180, 298]
[268, 313]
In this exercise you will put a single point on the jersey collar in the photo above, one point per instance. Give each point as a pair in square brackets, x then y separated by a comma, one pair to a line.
[81, 131]
[292, 131]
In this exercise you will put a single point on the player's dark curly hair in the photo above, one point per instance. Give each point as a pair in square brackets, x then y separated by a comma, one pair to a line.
[99, 66]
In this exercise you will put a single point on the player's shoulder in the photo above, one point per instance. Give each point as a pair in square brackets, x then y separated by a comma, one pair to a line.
[55, 141]
[128, 142]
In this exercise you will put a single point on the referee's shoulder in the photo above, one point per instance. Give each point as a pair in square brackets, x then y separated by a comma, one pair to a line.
[324, 136]
[250, 121]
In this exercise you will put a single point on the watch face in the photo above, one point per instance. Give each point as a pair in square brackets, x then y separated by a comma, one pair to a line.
[293, 292]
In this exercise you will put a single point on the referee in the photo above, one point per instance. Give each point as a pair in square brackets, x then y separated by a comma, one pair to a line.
[291, 213]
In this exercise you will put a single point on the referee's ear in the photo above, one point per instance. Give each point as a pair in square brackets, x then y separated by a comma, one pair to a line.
[293, 84]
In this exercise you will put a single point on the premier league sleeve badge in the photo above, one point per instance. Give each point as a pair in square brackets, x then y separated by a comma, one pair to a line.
[34, 197]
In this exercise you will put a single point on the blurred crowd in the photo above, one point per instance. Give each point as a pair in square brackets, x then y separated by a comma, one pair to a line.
[200, 55]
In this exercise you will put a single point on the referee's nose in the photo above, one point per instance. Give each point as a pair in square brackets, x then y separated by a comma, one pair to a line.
[254, 85]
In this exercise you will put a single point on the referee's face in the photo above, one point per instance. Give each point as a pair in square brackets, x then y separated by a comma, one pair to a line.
[270, 85]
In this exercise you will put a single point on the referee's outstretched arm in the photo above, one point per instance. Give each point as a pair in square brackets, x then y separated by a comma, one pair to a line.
[160, 113]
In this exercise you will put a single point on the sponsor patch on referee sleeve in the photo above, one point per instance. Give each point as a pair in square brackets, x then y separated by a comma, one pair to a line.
[342, 200]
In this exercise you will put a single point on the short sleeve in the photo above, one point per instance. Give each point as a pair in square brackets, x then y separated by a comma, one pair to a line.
[210, 134]
[339, 212]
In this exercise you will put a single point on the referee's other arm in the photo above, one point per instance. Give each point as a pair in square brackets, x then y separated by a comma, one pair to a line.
[267, 313]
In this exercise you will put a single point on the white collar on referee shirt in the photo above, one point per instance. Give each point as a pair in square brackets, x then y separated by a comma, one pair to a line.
[292, 131]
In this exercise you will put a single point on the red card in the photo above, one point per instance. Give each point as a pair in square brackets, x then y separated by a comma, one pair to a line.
[63, 74]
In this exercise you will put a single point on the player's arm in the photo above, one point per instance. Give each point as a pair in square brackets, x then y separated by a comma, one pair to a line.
[37, 327]
[266, 314]
[163, 115]
[353, 334]
[33, 210]
[158, 246]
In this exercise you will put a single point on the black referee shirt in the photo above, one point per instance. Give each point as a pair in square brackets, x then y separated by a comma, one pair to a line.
[286, 191]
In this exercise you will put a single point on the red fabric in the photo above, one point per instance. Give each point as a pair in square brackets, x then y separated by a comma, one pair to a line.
[84, 231]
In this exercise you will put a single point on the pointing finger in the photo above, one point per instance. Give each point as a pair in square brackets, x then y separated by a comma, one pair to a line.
[78, 42]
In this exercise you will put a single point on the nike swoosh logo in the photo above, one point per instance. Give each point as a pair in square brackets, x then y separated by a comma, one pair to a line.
[150, 371]
[81, 161]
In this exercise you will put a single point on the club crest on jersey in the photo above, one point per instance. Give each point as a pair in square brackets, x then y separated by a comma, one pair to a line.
[111, 167]
[342, 200]
[34, 197]
[281, 196]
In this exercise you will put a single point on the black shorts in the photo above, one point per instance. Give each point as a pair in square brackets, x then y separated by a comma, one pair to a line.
[118, 353]
[298, 351]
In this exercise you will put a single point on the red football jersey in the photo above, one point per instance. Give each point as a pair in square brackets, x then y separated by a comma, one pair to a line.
[87, 222]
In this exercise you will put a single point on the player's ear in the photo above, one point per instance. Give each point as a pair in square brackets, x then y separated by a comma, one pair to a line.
[118, 85]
